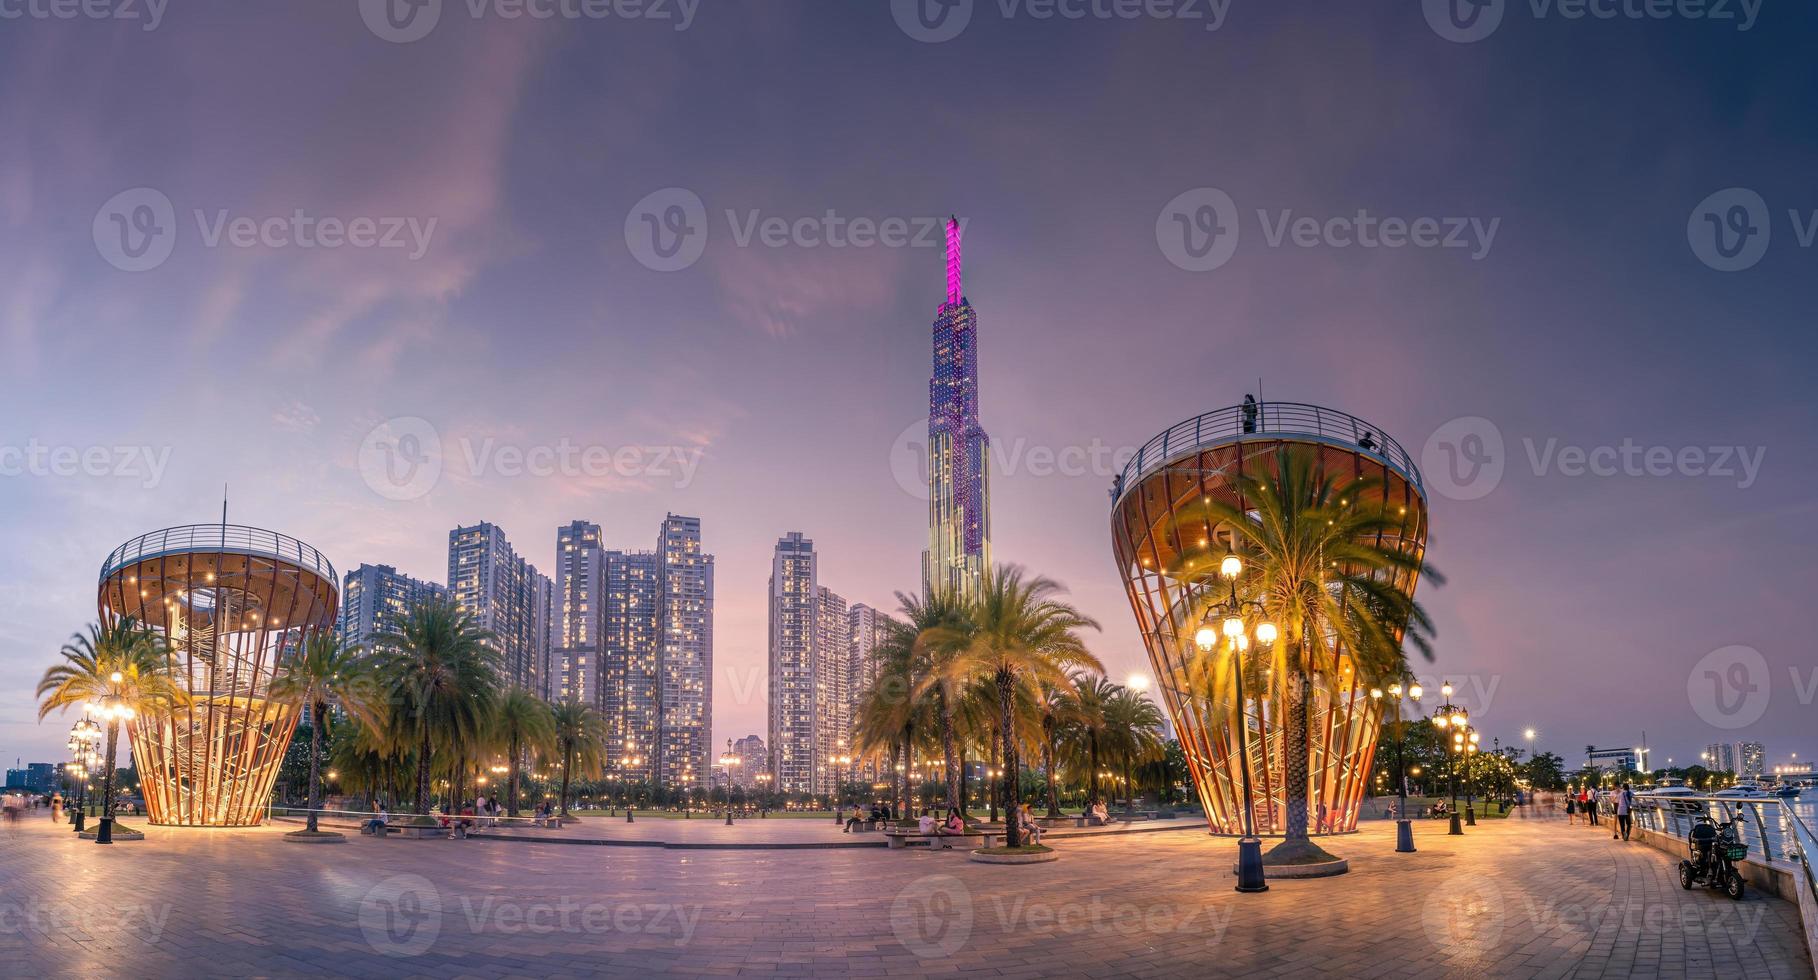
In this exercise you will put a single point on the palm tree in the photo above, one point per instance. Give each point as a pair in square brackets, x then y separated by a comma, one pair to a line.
[1133, 724]
[890, 712]
[937, 622]
[1092, 692]
[122, 667]
[522, 721]
[1060, 708]
[442, 673]
[1330, 562]
[325, 673]
[580, 740]
[1017, 634]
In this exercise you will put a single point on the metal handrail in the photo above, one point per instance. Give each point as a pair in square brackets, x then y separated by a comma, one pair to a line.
[1675, 815]
[225, 538]
[1266, 419]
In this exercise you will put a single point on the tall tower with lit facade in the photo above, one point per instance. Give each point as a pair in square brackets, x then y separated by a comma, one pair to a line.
[959, 493]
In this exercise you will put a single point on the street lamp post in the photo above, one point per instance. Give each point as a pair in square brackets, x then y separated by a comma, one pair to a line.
[727, 762]
[1404, 827]
[1454, 717]
[1237, 635]
[836, 763]
[115, 711]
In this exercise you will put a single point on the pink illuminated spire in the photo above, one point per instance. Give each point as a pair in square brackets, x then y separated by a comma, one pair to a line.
[953, 261]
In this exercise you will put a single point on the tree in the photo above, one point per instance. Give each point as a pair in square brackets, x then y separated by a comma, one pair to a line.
[122, 667]
[939, 621]
[1019, 635]
[1060, 708]
[1545, 771]
[1328, 563]
[325, 673]
[1087, 730]
[442, 674]
[580, 740]
[1133, 724]
[522, 721]
[891, 712]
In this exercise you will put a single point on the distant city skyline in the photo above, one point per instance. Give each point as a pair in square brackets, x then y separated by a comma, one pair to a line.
[534, 364]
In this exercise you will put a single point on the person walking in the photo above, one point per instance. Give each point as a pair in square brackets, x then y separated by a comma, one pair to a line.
[1590, 804]
[1625, 804]
[1571, 809]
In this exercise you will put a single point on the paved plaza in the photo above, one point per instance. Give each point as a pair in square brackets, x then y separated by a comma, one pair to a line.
[1515, 898]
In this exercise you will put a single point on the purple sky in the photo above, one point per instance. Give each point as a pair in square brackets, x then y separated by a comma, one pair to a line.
[1589, 607]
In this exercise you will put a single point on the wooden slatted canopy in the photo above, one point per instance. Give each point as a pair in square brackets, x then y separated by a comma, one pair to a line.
[234, 605]
[1168, 546]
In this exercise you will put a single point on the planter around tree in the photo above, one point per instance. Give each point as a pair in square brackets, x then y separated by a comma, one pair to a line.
[1027, 854]
[315, 837]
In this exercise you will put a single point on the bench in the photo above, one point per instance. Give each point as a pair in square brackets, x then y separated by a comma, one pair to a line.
[900, 839]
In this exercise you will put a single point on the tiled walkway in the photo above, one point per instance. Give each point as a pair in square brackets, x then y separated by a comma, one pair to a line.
[1516, 898]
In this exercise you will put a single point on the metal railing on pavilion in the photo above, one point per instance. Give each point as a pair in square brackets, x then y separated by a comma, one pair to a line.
[1266, 420]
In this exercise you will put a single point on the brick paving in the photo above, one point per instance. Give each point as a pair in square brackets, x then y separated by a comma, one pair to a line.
[1515, 898]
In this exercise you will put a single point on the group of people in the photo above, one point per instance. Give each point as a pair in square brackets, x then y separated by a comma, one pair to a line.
[880, 813]
[930, 826]
[1590, 801]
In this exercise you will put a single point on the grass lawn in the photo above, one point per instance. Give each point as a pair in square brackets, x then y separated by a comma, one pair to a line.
[1418, 806]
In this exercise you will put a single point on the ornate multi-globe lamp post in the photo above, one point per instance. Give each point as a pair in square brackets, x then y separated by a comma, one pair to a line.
[1455, 718]
[1404, 827]
[1230, 618]
[84, 745]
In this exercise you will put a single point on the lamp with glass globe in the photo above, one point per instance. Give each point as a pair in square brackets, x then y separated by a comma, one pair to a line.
[1230, 617]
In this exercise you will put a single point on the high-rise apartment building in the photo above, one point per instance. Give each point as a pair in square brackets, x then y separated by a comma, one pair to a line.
[753, 759]
[374, 599]
[507, 596]
[865, 632]
[579, 644]
[630, 686]
[1751, 757]
[685, 634]
[959, 492]
[832, 689]
[813, 697]
[1719, 757]
[794, 587]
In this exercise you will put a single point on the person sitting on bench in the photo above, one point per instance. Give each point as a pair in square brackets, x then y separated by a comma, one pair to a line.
[376, 826]
[926, 825]
[955, 824]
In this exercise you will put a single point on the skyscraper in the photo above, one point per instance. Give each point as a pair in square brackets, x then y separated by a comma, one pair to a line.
[1751, 757]
[794, 588]
[685, 630]
[1720, 757]
[579, 629]
[753, 759]
[832, 689]
[509, 597]
[374, 599]
[865, 631]
[959, 494]
[630, 686]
